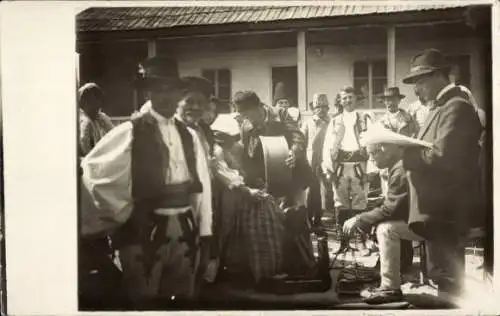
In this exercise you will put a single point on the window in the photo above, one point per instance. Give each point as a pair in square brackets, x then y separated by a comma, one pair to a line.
[221, 80]
[370, 79]
[288, 76]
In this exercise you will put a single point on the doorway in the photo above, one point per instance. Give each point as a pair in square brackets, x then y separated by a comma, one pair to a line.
[287, 75]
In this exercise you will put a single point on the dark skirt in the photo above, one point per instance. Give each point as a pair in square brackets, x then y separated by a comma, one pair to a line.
[250, 234]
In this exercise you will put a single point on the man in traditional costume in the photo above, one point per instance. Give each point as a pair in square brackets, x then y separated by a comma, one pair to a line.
[261, 120]
[444, 181]
[395, 118]
[152, 174]
[314, 129]
[344, 162]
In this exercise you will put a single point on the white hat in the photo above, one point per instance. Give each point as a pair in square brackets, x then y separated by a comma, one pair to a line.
[380, 135]
[226, 123]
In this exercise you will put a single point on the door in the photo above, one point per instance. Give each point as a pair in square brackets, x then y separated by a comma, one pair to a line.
[287, 75]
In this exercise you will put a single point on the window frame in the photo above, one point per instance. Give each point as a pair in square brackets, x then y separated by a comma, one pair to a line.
[370, 78]
[216, 83]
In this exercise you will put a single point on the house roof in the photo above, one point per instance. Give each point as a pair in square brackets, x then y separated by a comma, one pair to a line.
[106, 19]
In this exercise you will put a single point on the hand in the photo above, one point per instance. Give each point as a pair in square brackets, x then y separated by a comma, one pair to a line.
[350, 226]
[258, 194]
[290, 161]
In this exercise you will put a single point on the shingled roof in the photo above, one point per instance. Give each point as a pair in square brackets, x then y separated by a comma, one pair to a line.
[105, 19]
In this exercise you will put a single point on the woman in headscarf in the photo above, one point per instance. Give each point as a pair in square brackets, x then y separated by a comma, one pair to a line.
[248, 222]
[94, 124]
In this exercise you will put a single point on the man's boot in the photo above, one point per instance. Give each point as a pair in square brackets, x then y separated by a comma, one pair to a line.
[340, 218]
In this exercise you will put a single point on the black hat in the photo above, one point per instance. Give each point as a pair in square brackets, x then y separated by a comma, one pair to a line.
[390, 92]
[245, 100]
[427, 62]
[161, 69]
[200, 83]
[158, 69]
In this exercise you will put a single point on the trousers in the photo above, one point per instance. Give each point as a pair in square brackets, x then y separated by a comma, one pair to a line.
[350, 190]
[319, 198]
[445, 260]
[162, 269]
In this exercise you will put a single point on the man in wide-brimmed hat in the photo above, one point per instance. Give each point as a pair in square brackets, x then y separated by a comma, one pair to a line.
[314, 131]
[152, 175]
[396, 119]
[444, 180]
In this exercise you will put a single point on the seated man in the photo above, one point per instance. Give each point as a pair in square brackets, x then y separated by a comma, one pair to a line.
[391, 218]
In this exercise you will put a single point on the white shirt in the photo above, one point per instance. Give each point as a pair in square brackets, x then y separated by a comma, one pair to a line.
[349, 142]
[444, 90]
[107, 173]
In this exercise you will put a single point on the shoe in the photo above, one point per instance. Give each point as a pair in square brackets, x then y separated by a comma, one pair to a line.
[382, 296]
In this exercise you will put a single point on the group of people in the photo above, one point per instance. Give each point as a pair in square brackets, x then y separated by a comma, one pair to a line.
[180, 190]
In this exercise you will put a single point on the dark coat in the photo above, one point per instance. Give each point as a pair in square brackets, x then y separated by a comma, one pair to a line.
[444, 181]
[395, 205]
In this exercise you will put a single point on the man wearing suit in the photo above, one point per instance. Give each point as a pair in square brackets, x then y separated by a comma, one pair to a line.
[314, 131]
[443, 181]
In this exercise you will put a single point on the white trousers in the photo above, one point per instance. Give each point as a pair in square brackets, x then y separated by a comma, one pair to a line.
[389, 235]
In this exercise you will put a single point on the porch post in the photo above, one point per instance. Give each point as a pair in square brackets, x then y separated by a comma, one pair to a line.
[151, 48]
[302, 70]
[77, 64]
[391, 55]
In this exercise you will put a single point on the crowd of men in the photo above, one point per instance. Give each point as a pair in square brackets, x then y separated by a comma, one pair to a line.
[184, 197]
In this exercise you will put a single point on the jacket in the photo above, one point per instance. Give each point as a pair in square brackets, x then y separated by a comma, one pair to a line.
[444, 181]
[396, 203]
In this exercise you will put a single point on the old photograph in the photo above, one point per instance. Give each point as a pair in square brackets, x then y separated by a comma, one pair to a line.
[266, 157]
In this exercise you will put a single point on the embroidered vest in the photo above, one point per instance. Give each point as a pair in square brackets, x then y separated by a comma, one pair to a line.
[150, 157]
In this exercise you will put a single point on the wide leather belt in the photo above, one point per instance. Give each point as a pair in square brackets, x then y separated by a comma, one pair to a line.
[174, 196]
[351, 156]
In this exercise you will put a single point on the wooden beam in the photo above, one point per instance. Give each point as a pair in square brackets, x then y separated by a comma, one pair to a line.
[302, 70]
[391, 56]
